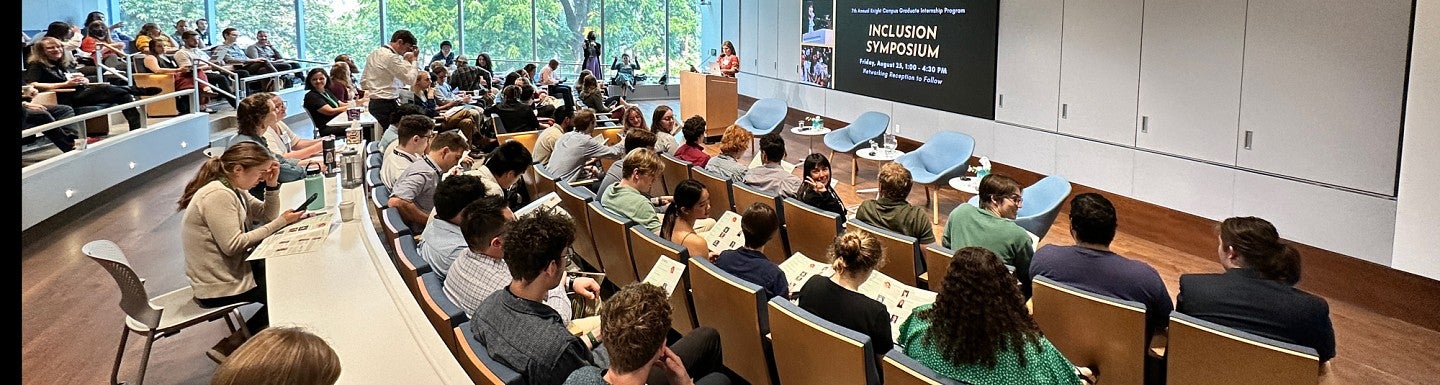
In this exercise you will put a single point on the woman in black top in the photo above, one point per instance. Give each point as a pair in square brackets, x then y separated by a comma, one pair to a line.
[854, 255]
[516, 115]
[816, 190]
[50, 69]
[1257, 293]
[322, 106]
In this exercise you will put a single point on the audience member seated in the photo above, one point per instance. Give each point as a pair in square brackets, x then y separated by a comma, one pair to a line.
[257, 112]
[551, 82]
[854, 255]
[281, 355]
[112, 53]
[758, 224]
[151, 32]
[415, 132]
[636, 322]
[690, 203]
[577, 149]
[445, 54]
[1257, 293]
[192, 54]
[733, 144]
[770, 176]
[392, 132]
[37, 114]
[817, 191]
[1091, 266]
[230, 53]
[662, 123]
[113, 32]
[424, 94]
[217, 236]
[692, 151]
[413, 193]
[635, 139]
[262, 49]
[515, 114]
[442, 243]
[483, 61]
[503, 167]
[632, 118]
[594, 97]
[162, 64]
[202, 27]
[545, 144]
[978, 330]
[342, 82]
[480, 270]
[515, 324]
[280, 139]
[322, 105]
[642, 167]
[891, 210]
[181, 27]
[992, 226]
[50, 68]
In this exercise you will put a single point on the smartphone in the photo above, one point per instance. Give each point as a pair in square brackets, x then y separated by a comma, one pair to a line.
[307, 202]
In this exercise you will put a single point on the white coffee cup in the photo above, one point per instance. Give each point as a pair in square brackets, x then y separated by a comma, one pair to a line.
[347, 211]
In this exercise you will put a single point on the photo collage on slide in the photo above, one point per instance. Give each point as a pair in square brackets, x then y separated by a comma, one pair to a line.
[817, 43]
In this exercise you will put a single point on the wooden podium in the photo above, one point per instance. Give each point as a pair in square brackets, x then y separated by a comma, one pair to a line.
[712, 97]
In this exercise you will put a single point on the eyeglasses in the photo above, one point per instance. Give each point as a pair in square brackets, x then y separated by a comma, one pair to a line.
[1016, 197]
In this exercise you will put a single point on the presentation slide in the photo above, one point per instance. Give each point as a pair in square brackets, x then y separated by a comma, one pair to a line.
[933, 53]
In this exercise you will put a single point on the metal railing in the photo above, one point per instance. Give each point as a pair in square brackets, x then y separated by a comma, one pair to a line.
[242, 91]
[193, 93]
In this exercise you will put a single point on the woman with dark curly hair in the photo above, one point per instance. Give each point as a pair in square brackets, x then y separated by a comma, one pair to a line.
[978, 330]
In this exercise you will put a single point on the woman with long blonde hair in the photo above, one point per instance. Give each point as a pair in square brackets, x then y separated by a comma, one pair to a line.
[340, 85]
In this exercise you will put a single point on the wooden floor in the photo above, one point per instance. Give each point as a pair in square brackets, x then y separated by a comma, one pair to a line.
[71, 323]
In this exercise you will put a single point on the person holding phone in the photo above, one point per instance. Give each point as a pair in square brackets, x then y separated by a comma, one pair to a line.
[214, 236]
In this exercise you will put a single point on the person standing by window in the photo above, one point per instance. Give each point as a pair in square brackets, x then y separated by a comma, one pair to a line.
[592, 54]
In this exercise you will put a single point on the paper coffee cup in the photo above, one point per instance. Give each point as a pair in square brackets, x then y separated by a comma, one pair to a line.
[347, 211]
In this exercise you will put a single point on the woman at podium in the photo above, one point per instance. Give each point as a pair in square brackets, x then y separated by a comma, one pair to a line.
[729, 62]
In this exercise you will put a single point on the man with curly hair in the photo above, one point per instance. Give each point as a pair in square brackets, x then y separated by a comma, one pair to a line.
[635, 322]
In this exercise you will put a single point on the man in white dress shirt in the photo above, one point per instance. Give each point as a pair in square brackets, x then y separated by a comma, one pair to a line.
[387, 70]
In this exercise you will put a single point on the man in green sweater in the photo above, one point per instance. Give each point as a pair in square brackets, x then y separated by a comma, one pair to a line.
[992, 226]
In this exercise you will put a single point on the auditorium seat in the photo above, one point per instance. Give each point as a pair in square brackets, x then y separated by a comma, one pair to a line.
[937, 264]
[444, 315]
[900, 369]
[810, 230]
[394, 225]
[1201, 352]
[676, 171]
[736, 309]
[719, 189]
[409, 262]
[1105, 334]
[744, 196]
[380, 198]
[573, 201]
[527, 138]
[646, 249]
[476, 361]
[901, 252]
[545, 181]
[810, 350]
[612, 244]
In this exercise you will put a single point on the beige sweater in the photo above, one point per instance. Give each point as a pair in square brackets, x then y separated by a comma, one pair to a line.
[216, 243]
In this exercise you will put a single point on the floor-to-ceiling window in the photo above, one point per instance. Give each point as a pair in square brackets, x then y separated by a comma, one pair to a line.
[275, 17]
[665, 37]
[432, 22]
[635, 28]
[501, 28]
[334, 27]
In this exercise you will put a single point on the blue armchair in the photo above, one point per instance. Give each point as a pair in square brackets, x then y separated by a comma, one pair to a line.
[942, 157]
[1042, 204]
[764, 117]
[869, 126]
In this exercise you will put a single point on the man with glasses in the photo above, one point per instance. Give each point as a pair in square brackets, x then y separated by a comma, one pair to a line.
[992, 226]
[415, 133]
[387, 70]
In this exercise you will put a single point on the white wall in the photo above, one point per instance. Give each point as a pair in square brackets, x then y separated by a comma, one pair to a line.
[37, 14]
[1356, 224]
[1417, 222]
